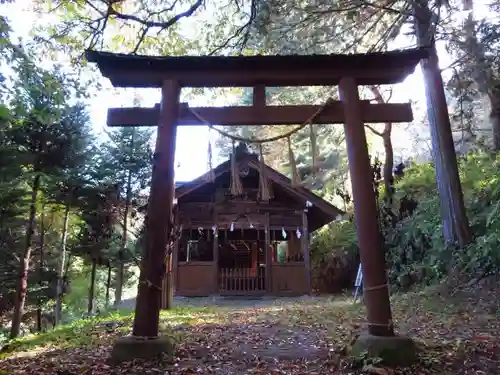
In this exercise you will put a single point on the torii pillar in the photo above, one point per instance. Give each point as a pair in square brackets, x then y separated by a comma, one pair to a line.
[380, 341]
[158, 237]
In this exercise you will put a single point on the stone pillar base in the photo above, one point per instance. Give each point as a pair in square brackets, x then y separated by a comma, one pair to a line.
[393, 350]
[128, 348]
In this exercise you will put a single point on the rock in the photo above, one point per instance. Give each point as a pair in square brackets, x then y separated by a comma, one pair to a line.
[128, 348]
[393, 350]
[370, 369]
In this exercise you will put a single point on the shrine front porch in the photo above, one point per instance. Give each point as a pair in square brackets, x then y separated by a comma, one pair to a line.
[198, 279]
[241, 268]
[240, 262]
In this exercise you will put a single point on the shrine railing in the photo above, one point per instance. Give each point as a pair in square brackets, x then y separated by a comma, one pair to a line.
[242, 280]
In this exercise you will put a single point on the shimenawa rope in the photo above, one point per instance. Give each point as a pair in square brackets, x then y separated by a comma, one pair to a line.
[264, 191]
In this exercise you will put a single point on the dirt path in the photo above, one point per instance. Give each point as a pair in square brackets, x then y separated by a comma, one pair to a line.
[254, 336]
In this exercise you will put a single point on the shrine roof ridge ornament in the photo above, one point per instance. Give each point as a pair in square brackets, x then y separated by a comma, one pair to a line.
[374, 68]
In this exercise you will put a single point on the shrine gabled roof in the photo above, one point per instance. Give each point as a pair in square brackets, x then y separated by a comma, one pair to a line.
[330, 212]
[271, 70]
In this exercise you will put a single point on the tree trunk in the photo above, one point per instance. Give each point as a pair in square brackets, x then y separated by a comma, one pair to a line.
[388, 149]
[455, 224]
[121, 253]
[40, 270]
[62, 266]
[22, 287]
[388, 162]
[66, 267]
[108, 285]
[495, 117]
[90, 307]
[482, 72]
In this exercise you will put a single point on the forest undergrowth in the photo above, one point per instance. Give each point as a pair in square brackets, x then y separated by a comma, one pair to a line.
[412, 231]
[457, 331]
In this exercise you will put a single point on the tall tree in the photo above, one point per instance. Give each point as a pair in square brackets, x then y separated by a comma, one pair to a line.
[385, 134]
[456, 227]
[475, 44]
[127, 158]
[98, 204]
[44, 128]
[68, 193]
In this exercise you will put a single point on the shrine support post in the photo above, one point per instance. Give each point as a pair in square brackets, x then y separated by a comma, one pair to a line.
[365, 211]
[268, 254]
[215, 250]
[159, 216]
[305, 248]
[172, 262]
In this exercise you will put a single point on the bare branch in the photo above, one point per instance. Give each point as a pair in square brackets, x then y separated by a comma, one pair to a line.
[142, 35]
[380, 99]
[388, 7]
[242, 33]
[156, 24]
[374, 131]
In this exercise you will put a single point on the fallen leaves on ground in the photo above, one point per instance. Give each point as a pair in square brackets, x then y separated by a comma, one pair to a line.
[457, 333]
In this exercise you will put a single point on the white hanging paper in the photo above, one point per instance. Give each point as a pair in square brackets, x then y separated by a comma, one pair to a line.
[200, 231]
[232, 227]
[298, 233]
[283, 232]
[308, 204]
[359, 277]
[215, 231]
[251, 225]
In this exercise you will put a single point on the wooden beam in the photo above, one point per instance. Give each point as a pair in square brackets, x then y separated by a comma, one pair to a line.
[271, 78]
[277, 223]
[268, 115]
[242, 207]
[246, 71]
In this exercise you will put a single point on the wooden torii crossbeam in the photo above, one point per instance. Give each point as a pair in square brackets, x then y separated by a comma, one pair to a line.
[258, 114]
[172, 73]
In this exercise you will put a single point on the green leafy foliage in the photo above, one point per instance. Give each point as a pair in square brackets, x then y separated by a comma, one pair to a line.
[416, 252]
[414, 245]
[334, 256]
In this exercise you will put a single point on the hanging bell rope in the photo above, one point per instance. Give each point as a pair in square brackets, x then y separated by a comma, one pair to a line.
[314, 149]
[293, 165]
[264, 191]
[236, 186]
[211, 172]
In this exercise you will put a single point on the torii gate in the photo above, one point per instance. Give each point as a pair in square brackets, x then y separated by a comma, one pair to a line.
[172, 73]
